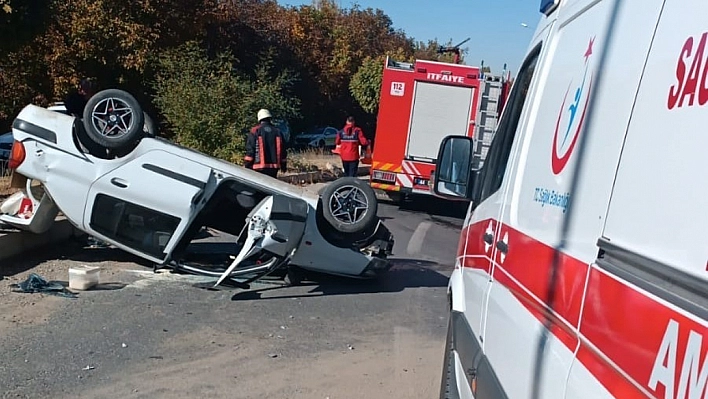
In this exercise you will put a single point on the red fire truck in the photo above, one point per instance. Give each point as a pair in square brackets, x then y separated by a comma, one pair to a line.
[421, 103]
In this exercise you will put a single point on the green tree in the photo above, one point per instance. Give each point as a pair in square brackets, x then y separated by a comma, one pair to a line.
[365, 85]
[429, 51]
[208, 105]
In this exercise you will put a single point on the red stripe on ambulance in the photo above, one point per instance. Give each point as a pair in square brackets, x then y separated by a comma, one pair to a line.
[633, 343]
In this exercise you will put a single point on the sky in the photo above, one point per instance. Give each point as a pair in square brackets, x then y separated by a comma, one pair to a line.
[494, 26]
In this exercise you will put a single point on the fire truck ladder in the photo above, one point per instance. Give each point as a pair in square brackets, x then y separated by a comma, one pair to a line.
[453, 49]
[487, 118]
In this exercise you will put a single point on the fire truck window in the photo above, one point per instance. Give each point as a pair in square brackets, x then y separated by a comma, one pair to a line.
[492, 173]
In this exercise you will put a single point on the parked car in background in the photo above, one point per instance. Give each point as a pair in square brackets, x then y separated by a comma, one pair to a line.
[5, 147]
[321, 137]
[151, 197]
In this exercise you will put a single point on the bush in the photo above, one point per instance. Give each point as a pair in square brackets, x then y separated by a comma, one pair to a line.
[207, 104]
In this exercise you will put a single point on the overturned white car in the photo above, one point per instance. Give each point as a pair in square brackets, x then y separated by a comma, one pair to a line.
[151, 197]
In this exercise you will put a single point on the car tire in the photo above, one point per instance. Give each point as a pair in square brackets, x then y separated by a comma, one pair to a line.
[114, 129]
[349, 205]
[321, 144]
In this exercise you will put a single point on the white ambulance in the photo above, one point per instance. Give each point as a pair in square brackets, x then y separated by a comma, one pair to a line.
[582, 269]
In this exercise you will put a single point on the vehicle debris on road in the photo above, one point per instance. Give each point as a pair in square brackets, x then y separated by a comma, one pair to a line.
[37, 284]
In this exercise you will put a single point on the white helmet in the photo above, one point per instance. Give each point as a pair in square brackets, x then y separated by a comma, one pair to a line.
[263, 114]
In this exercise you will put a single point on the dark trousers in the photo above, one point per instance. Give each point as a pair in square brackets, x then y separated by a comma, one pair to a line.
[272, 172]
[350, 167]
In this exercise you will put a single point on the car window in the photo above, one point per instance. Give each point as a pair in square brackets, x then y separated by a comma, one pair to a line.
[330, 131]
[140, 228]
[492, 173]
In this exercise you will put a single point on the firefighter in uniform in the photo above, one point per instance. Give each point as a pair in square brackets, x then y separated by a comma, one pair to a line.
[265, 147]
[348, 141]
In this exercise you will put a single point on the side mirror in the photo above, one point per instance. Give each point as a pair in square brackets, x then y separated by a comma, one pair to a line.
[453, 177]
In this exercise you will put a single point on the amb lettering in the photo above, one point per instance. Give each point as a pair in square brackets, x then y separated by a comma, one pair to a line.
[680, 381]
[445, 78]
[691, 74]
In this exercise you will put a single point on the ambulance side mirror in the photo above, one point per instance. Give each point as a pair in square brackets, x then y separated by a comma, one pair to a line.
[453, 177]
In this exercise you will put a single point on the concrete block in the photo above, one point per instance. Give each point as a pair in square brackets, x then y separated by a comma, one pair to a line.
[16, 243]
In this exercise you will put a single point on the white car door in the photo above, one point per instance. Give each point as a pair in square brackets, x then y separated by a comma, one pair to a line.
[144, 205]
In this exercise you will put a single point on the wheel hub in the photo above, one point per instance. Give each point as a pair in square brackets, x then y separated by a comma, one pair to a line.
[349, 205]
[112, 117]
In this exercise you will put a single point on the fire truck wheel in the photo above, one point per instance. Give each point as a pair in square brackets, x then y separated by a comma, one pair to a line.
[350, 205]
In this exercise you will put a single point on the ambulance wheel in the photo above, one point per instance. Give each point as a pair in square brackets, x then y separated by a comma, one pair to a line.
[114, 119]
[349, 205]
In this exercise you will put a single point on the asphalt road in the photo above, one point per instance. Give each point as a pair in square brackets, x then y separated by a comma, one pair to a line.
[148, 335]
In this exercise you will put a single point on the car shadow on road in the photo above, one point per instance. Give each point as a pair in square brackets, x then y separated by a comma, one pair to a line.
[76, 249]
[404, 274]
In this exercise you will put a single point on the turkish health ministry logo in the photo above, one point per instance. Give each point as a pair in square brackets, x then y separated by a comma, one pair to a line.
[572, 117]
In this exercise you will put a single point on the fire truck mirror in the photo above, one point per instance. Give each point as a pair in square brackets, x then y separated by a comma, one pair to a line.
[453, 170]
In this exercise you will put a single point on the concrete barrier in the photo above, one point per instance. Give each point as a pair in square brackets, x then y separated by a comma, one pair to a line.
[317, 176]
[16, 243]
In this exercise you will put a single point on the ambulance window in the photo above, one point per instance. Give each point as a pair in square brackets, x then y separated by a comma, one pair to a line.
[492, 173]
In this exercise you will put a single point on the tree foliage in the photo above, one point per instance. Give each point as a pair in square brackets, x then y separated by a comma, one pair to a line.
[365, 85]
[208, 105]
[203, 68]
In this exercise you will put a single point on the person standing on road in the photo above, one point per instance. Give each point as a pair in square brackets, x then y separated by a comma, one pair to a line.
[75, 102]
[265, 147]
[348, 140]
